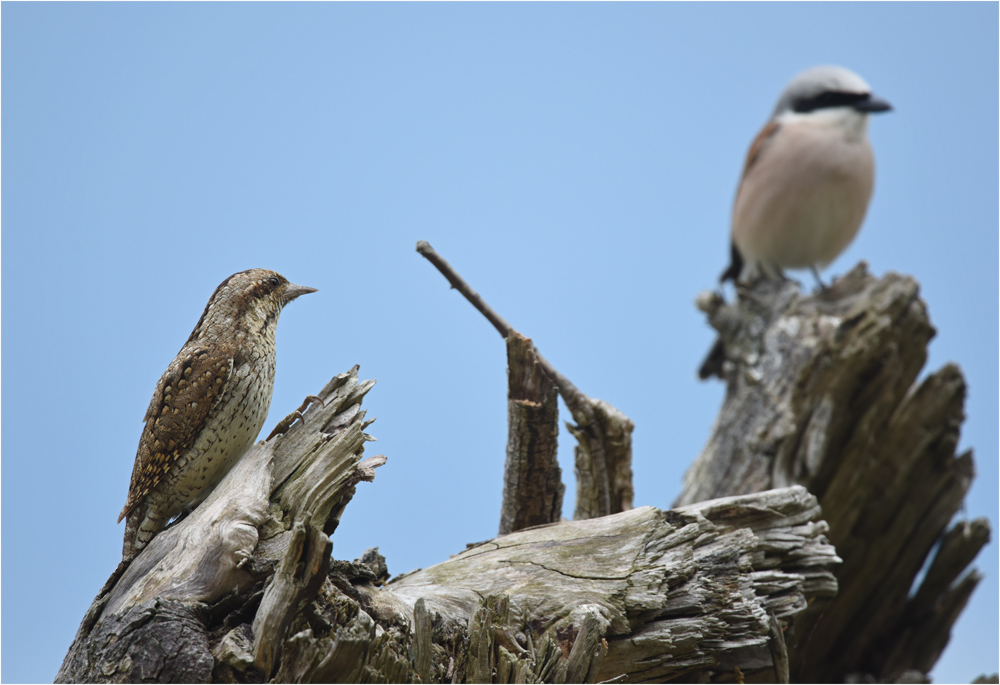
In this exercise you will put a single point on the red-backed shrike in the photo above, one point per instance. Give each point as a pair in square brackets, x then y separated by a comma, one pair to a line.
[808, 177]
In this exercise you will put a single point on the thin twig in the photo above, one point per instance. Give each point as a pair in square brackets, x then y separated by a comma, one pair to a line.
[459, 284]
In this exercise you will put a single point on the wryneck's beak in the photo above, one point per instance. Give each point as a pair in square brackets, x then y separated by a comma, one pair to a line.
[292, 291]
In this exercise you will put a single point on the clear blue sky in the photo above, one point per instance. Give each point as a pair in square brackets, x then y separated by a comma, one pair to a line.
[576, 163]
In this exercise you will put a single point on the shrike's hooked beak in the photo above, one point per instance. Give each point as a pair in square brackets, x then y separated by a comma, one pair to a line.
[873, 105]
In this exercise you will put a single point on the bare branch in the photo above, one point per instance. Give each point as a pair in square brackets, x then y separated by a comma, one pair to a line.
[604, 485]
[459, 284]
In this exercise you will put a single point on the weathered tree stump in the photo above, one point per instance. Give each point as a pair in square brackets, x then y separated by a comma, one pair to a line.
[244, 590]
[738, 583]
[255, 547]
[822, 391]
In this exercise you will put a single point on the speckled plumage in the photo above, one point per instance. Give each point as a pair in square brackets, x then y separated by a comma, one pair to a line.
[209, 405]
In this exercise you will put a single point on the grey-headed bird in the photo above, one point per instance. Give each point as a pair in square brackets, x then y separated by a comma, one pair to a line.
[807, 179]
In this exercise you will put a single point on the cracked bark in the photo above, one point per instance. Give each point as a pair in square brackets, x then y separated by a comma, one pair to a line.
[215, 570]
[532, 487]
[823, 391]
[646, 593]
[243, 589]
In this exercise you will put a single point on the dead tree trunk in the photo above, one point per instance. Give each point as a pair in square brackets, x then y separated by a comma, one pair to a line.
[244, 590]
[231, 578]
[645, 594]
[822, 392]
[743, 586]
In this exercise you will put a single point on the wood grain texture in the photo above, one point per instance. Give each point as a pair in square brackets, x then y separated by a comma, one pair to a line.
[282, 491]
[532, 483]
[822, 390]
[159, 641]
[645, 592]
[659, 592]
[603, 458]
[822, 399]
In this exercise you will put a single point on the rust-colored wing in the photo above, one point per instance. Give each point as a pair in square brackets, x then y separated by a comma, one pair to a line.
[758, 144]
[188, 390]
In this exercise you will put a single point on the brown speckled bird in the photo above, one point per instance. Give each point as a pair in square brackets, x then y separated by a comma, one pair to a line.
[209, 405]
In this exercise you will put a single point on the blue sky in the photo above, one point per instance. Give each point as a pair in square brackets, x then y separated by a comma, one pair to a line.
[576, 163]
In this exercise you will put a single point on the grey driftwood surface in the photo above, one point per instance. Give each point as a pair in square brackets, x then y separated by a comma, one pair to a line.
[822, 390]
[644, 595]
[244, 590]
[825, 437]
[242, 550]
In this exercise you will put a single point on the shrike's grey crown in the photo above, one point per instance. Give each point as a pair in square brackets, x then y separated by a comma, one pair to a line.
[828, 86]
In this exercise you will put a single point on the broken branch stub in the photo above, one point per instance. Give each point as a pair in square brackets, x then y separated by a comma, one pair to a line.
[603, 463]
[297, 581]
[644, 593]
[532, 487]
